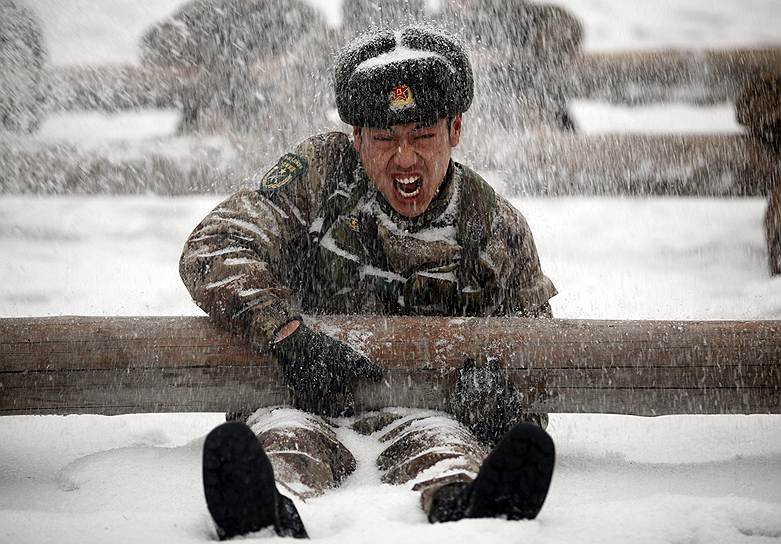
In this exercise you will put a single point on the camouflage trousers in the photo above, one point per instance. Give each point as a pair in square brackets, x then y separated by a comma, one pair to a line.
[423, 449]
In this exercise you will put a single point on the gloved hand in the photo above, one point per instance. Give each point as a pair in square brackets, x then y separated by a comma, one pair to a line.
[487, 403]
[320, 370]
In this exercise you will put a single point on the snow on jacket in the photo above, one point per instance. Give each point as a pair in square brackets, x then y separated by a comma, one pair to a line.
[313, 235]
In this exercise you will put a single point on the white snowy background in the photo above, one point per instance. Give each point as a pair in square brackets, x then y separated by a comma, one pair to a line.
[692, 479]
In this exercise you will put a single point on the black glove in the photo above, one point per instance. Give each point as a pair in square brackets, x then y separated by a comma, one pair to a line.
[320, 371]
[488, 404]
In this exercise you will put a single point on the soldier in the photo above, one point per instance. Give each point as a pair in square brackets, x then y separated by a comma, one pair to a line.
[22, 58]
[528, 50]
[384, 223]
[230, 43]
[759, 109]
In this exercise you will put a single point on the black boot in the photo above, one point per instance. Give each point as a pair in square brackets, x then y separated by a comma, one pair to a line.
[238, 482]
[513, 480]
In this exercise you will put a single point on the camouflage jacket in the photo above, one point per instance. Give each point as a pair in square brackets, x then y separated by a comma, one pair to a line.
[313, 235]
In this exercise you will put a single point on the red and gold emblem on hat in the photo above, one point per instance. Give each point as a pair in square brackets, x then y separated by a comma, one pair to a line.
[401, 98]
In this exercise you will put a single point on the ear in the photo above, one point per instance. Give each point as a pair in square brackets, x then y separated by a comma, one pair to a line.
[357, 138]
[455, 131]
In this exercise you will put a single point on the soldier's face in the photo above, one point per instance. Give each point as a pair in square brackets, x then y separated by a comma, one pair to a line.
[407, 163]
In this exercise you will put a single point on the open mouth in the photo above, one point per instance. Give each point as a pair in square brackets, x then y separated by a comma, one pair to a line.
[408, 187]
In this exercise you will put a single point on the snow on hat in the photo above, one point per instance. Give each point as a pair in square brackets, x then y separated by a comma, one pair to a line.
[416, 75]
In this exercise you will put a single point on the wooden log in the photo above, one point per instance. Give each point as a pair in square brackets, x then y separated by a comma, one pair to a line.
[539, 164]
[635, 164]
[698, 76]
[172, 166]
[115, 87]
[118, 365]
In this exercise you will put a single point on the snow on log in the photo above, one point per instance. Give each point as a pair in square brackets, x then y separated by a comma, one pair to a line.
[698, 76]
[540, 164]
[114, 365]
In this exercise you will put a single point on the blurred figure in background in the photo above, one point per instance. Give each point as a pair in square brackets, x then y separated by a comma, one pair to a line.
[759, 110]
[22, 57]
[522, 52]
[257, 60]
[251, 61]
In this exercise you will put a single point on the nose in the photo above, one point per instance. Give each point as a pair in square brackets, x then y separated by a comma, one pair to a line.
[405, 154]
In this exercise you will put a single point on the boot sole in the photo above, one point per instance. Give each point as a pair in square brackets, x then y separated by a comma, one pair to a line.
[514, 479]
[238, 481]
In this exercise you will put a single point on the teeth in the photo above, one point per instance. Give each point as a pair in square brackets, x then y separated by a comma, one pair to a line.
[407, 181]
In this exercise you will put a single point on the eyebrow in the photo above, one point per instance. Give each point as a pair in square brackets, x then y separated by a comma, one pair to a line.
[417, 127]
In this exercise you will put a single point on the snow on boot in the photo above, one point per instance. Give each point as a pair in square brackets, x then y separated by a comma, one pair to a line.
[513, 480]
[238, 482]
[489, 404]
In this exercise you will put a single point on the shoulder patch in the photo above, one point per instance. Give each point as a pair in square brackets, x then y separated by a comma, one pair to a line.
[288, 168]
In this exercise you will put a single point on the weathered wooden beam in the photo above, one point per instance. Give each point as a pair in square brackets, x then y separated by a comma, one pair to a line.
[698, 76]
[170, 166]
[540, 164]
[115, 87]
[639, 164]
[118, 365]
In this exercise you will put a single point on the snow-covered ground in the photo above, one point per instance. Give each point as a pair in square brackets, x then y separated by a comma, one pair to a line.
[679, 479]
[661, 258]
[714, 479]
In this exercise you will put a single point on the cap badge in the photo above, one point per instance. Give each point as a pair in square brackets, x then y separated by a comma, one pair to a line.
[401, 98]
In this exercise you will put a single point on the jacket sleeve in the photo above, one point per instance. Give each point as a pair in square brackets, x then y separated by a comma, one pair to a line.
[237, 262]
[511, 249]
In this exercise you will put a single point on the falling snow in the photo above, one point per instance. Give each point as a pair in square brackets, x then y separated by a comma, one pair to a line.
[136, 478]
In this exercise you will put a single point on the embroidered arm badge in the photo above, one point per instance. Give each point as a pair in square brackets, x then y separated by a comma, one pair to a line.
[289, 168]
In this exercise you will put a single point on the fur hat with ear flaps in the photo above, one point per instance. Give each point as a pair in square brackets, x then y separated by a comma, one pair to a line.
[415, 75]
